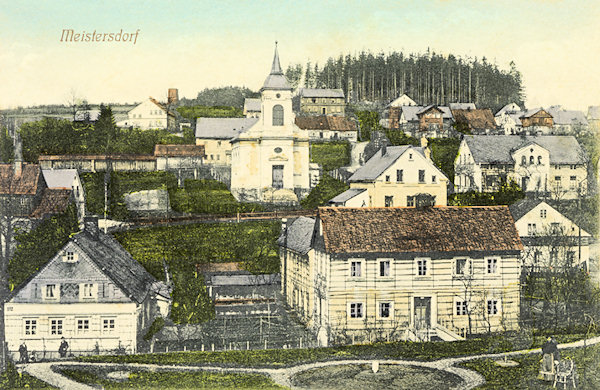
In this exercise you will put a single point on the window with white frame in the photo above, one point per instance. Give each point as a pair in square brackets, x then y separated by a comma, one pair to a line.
[56, 326]
[461, 308]
[50, 292]
[422, 267]
[385, 309]
[88, 291]
[356, 269]
[462, 266]
[493, 306]
[30, 327]
[356, 310]
[384, 268]
[108, 325]
[83, 325]
[543, 213]
[492, 265]
[531, 229]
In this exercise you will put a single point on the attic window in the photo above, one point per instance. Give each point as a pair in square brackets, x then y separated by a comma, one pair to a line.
[70, 257]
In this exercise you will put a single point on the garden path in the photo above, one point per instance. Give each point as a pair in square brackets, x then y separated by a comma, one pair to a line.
[282, 376]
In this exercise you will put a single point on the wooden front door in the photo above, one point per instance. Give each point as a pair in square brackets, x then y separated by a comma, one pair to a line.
[277, 176]
[422, 312]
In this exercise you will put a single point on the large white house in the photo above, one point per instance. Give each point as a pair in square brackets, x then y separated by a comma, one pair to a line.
[548, 165]
[149, 114]
[270, 160]
[550, 239]
[92, 293]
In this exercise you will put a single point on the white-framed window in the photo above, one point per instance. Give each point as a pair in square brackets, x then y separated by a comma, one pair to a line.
[387, 178]
[422, 267]
[83, 325]
[531, 229]
[421, 176]
[493, 307]
[399, 175]
[492, 265]
[385, 268]
[88, 291]
[384, 310]
[461, 308]
[389, 201]
[56, 326]
[410, 201]
[30, 326]
[108, 325]
[51, 292]
[355, 268]
[356, 310]
[462, 266]
[543, 213]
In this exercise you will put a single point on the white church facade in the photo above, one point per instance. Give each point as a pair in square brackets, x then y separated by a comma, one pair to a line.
[270, 161]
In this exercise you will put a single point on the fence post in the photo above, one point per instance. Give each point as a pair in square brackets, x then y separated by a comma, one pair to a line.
[213, 346]
[202, 347]
[167, 348]
[265, 343]
[230, 346]
[300, 342]
[184, 348]
[247, 344]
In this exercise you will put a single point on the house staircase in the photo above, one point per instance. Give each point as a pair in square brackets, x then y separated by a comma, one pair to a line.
[435, 333]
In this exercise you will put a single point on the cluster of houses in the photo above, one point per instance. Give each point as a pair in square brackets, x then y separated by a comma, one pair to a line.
[386, 259]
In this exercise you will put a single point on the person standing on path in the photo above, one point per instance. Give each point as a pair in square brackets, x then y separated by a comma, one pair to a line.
[64, 346]
[550, 354]
[23, 358]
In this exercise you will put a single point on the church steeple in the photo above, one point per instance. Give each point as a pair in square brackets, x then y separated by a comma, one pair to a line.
[276, 79]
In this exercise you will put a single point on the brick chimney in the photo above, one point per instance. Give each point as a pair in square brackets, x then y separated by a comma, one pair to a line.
[173, 96]
[18, 164]
[90, 225]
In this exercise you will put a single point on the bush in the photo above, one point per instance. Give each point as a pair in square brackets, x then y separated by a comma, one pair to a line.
[327, 188]
[93, 186]
[443, 154]
[156, 326]
[330, 155]
[508, 194]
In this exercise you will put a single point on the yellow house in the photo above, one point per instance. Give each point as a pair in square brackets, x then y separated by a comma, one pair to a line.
[316, 101]
[372, 274]
[395, 176]
[215, 133]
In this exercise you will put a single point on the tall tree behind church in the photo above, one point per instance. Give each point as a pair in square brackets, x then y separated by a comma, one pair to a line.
[429, 78]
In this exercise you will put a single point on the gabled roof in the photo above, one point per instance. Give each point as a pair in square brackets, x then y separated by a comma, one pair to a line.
[346, 195]
[116, 263]
[476, 119]
[222, 128]
[566, 117]
[522, 207]
[594, 112]
[401, 99]
[24, 184]
[510, 108]
[411, 113]
[276, 79]
[486, 149]
[252, 104]
[321, 93]
[60, 178]
[533, 111]
[379, 163]
[418, 230]
[324, 122]
[54, 201]
[298, 235]
[178, 150]
[462, 106]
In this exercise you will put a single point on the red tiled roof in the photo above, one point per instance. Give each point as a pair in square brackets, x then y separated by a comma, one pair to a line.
[24, 184]
[54, 201]
[178, 150]
[408, 229]
[478, 119]
[323, 122]
[219, 267]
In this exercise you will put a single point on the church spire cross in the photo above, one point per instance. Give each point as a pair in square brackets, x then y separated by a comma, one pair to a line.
[276, 67]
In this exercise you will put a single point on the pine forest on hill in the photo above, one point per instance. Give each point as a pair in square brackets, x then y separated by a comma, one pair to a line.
[428, 78]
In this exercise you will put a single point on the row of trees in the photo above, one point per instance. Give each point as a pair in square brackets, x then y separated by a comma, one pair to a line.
[429, 78]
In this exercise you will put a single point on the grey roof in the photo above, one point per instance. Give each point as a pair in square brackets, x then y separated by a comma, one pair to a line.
[411, 112]
[252, 104]
[522, 207]
[486, 149]
[243, 280]
[222, 128]
[565, 117]
[276, 79]
[116, 263]
[347, 195]
[509, 108]
[378, 163]
[594, 112]
[298, 235]
[59, 178]
[317, 92]
[462, 106]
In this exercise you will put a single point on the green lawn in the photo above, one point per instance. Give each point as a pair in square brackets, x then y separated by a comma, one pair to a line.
[330, 155]
[172, 380]
[207, 197]
[11, 379]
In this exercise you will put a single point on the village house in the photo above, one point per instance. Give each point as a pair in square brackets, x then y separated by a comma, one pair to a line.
[548, 165]
[251, 108]
[391, 113]
[593, 118]
[367, 274]
[419, 121]
[215, 135]
[92, 293]
[507, 119]
[328, 128]
[322, 101]
[537, 121]
[67, 179]
[462, 106]
[550, 239]
[270, 160]
[474, 121]
[151, 114]
[396, 176]
[567, 121]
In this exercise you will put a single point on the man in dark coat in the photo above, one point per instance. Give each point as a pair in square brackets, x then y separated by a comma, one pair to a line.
[550, 354]
[23, 358]
[62, 350]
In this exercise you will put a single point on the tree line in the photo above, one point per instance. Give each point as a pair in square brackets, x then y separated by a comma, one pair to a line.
[428, 78]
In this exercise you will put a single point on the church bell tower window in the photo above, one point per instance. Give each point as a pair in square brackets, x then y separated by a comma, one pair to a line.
[278, 115]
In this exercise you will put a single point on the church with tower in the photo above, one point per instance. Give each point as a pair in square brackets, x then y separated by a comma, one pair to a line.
[270, 160]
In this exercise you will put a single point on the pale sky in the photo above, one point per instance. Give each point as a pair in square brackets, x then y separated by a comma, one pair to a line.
[192, 45]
